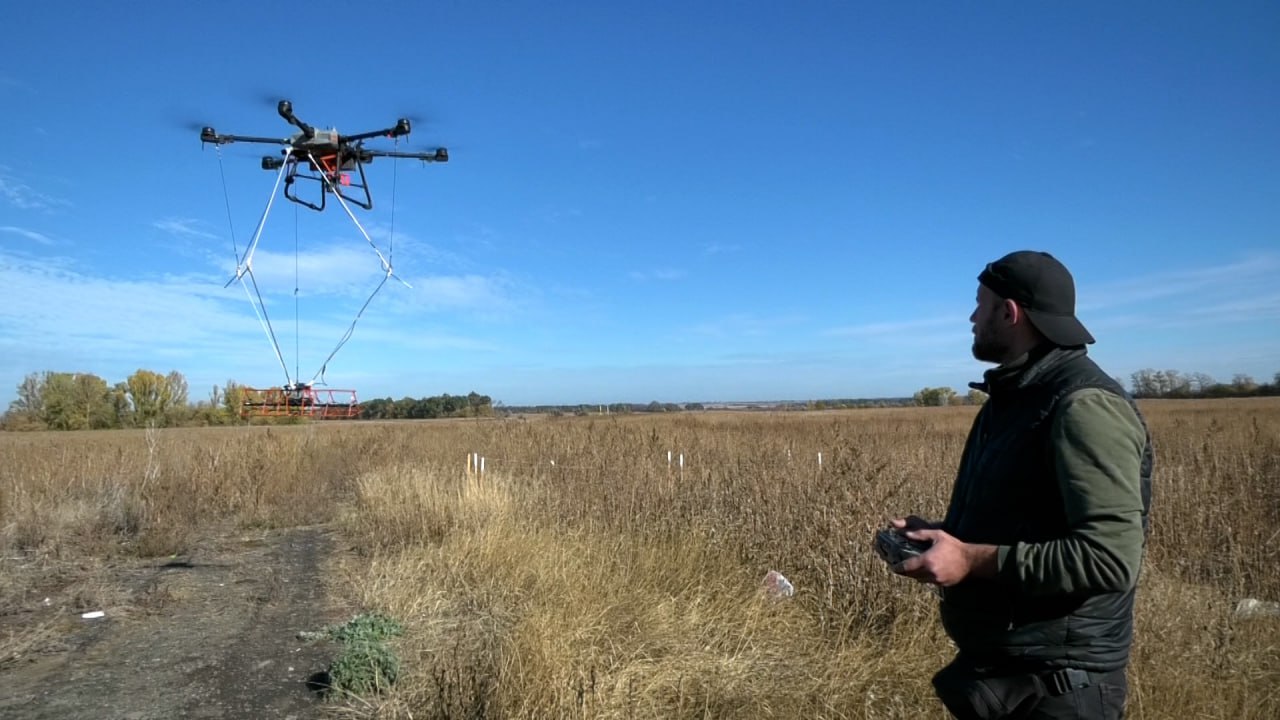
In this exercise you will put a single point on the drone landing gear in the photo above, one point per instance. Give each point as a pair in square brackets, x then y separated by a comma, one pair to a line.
[328, 173]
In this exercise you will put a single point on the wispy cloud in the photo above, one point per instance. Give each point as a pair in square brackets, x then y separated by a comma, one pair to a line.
[60, 316]
[1225, 277]
[657, 275]
[23, 196]
[740, 325]
[338, 269]
[31, 235]
[719, 249]
[899, 327]
[1229, 293]
[184, 227]
[1248, 308]
[53, 308]
[485, 295]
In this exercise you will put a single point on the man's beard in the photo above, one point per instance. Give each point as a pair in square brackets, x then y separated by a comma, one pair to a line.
[989, 349]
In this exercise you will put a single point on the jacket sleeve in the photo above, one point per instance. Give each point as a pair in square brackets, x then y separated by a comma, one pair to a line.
[1097, 442]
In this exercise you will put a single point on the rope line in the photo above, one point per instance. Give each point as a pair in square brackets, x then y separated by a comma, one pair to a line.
[395, 167]
[388, 272]
[244, 267]
[226, 199]
[297, 324]
[244, 262]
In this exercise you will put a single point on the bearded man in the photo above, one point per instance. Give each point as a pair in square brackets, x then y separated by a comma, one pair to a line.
[1038, 556]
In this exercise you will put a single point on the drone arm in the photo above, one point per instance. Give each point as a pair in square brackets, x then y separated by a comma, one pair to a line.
[285, 108]
[401, 128]
[209, 136]
[437, 155]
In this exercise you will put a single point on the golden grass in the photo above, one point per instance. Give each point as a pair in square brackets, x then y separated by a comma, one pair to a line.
[583, 576]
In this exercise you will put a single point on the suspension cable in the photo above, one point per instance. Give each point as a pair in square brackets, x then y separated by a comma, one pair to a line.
[246, 261]
[395, 167]
[260, 309]
[226, 199]
[387, 270]
[297, 325]
[244, 266]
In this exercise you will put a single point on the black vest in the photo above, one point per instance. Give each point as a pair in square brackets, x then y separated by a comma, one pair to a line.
[1006, 491]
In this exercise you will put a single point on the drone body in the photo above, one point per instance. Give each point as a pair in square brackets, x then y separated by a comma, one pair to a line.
[327, 157]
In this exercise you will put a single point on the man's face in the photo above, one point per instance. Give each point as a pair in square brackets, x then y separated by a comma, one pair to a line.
[990, 331]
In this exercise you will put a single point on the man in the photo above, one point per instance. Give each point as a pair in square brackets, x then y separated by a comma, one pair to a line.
[1038, 556]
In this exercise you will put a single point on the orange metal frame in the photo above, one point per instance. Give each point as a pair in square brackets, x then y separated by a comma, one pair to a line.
[310, 403]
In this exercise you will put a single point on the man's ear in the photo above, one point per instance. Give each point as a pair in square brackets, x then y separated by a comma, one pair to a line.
[1012, 312]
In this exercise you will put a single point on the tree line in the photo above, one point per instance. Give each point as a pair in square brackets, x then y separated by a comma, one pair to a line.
[1149, 383]
[472, 404]
[1146, 383]
[83, 401]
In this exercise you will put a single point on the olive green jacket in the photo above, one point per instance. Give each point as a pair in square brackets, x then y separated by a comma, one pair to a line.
[1056, 473]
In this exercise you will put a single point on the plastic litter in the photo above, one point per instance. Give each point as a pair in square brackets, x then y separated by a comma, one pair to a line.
[778, 587]
[1252, 607]
[93, 615]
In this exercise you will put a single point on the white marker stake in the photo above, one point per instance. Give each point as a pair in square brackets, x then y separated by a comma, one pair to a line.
[668, 458]
[819, 461]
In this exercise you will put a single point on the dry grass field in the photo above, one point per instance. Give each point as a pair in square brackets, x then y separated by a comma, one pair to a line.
[583, 575]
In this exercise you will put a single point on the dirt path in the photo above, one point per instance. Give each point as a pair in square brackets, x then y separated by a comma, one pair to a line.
[209, 635]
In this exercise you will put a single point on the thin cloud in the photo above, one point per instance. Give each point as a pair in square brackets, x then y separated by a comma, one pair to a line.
[334, 270]
[897, 327]
[53, 307]
[744, 325]
[478, 294]
[719, 249]
[31, 235]
[1225, 294]
[183, 227]
[1181, 283]
[59, 316]
[658, 275]
[555, 214]
[24, 197]
[1242, 309]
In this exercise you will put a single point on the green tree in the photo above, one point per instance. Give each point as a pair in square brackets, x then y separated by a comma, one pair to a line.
[77, 401]
[151, 396]
[1243, 384]
[933, 397]
[121, 408]
[28, 408]
[178, 410]
[30, 404]
[233, 394]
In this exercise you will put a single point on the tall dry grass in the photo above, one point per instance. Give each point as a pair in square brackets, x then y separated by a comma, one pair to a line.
[584, 576]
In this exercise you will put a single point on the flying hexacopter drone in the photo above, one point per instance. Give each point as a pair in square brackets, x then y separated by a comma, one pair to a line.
[330, 159]
[326, 156]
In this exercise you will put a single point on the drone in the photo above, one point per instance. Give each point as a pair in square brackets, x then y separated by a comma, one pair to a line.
[326, 157]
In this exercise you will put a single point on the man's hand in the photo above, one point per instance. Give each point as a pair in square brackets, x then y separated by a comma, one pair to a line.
[914, 522]
[949, 560]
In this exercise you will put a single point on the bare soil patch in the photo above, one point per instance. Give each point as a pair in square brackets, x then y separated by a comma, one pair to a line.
[209, 634]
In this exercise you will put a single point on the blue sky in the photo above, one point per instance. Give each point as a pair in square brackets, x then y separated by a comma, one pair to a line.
[645, 201]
